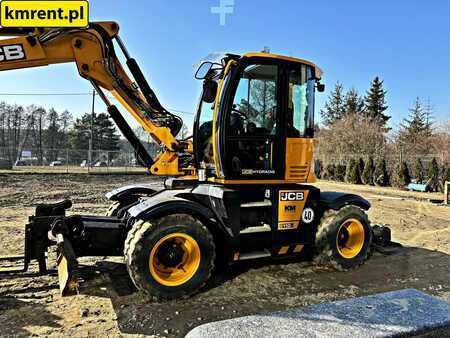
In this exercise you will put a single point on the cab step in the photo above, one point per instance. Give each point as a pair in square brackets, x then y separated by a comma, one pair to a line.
[265, 203]
[254, 255]
[253, 230]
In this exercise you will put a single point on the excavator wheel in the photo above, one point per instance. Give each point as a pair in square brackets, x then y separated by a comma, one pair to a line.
[113, 209]
[343, 238]
[169, 257]
[119, 207]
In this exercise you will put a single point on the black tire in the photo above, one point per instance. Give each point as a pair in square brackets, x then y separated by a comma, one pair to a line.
[119, 208]
[147, 234]
[137, 224]
[328, 250]
[113, 209]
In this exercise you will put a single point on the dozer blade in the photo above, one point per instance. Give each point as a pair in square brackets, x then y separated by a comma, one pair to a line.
[67, 267]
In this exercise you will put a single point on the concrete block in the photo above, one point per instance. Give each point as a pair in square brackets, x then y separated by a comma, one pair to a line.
[398, 313]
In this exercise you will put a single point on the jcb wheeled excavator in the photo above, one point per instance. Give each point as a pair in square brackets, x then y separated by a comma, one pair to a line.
[240, 189]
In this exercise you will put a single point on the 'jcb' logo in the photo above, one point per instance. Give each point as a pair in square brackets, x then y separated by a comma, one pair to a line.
[11, 53]
[292, 196]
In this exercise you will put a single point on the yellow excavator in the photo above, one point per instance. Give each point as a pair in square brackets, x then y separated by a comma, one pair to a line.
[240, 189]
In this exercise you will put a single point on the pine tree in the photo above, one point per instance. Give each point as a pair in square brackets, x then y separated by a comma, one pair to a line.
[367, 173]
[416, 130]
[418, 172]
[106, 139]
[433, 175]
[353, 103]
[414, 126]
[65, 119]
[380, 175]
[52, 138]
[375, 103]
[334, 107]
[404, 177]
[428, 113]
[104, 133]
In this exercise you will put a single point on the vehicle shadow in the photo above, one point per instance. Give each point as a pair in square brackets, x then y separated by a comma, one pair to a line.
[264, 287]
[18, 315]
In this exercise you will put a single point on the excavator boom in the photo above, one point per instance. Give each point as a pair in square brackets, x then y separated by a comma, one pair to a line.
[92, 50]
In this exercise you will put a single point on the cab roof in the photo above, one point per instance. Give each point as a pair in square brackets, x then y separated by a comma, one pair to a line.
[318, 71]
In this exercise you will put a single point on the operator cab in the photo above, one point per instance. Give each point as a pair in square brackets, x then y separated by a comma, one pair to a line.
[255, 119]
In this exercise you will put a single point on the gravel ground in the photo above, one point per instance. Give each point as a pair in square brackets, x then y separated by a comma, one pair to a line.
[109, 305]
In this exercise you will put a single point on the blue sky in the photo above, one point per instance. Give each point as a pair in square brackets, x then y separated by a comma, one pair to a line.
[403, 42]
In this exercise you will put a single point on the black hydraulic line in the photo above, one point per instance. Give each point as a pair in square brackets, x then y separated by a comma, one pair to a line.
[148, 93]
[142, 154]
[176, 123]
[140, 79]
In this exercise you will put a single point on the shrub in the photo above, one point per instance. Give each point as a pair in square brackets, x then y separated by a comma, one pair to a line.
[380, 175]
[350, 164]
[367, 173]
[329, 172]
[404, 177]
[433, 175]
[418, 172]
[361, 165]
[445, 176]
[353, 174]
[339, 172]
[318, 168]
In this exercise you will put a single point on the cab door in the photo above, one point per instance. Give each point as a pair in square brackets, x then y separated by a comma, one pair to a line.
[252, 144]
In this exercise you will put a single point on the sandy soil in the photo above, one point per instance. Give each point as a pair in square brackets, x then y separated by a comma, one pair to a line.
[109, 305]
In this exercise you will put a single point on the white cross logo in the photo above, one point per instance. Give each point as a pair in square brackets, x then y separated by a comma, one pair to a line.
[225, 7]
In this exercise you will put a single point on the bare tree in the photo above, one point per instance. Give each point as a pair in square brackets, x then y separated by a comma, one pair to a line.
[40, 116]
[343, 138]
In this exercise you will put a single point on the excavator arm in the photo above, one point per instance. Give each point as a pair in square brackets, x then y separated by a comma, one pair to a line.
[93, 52]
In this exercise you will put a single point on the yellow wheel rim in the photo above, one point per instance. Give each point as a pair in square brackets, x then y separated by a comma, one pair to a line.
[350, 238]
[174, 259]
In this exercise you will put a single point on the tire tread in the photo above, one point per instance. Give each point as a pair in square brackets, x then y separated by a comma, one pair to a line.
[134, 244]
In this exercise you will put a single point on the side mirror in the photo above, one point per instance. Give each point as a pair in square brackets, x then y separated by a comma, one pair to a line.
[209, 91]
[320, 87]
[203, 70]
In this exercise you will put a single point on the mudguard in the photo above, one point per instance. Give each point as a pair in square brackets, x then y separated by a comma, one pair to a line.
[170, 202]
[337, 200]
[125, 191]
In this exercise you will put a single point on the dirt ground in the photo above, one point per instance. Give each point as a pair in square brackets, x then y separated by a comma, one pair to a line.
[109, 305]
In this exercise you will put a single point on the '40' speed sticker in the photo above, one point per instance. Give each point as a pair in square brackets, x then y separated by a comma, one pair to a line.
[307, 215]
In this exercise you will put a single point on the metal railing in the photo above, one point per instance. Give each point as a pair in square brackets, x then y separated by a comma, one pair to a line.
[71, 160]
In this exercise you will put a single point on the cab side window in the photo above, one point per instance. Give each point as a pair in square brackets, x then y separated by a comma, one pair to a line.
[300, 102]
